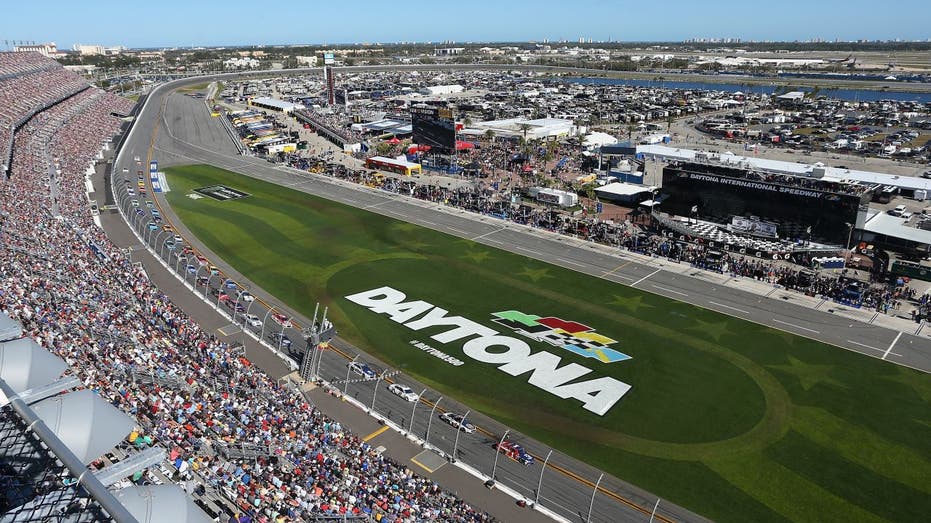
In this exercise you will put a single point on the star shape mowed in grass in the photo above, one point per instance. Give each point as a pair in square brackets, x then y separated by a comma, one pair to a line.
[477, 256]
[630, 303]
[535, 275]
[714, 329]
[917, 381]
[808, 374]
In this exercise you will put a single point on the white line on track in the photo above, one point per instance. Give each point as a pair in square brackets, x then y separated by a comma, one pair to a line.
[531, 251]
[457, 231]
[667, 289]
[865, 346]
[645, 277]
[728, 307]
[899, 335]
[796, 326]
[487, 233]
[372, 206]
[570, 262]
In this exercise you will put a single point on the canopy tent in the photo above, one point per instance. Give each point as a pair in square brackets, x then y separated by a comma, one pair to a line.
[414, 148]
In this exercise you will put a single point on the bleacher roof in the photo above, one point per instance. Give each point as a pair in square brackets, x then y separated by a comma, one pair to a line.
[893, 226]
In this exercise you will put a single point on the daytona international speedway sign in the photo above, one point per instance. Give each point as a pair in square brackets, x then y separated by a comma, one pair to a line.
[512, 355]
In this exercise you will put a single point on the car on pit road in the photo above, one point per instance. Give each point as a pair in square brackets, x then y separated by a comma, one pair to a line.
[277, 337]
[233, 306]
[281, 319]
[252, 320]
[457, 420]
[514, 451]
[362, 369]
[245, 296]
[403, 391]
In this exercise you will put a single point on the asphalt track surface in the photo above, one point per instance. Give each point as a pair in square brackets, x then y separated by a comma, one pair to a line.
[181, 132]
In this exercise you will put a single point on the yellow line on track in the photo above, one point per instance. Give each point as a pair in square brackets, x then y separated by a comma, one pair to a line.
[376, 433]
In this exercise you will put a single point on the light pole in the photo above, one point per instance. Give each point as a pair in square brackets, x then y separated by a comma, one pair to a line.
[426, 439]
[592, 504]
[536, 499]
[158, 238]
[375, 390]
[461, 426]
[281, 337]
[248, 309]
[196, 275]
[494, 468]
[262, 335]
[849, 236]
[653, 514]
[207, 283]
[348, 370]
[161, 250]
[410, 429]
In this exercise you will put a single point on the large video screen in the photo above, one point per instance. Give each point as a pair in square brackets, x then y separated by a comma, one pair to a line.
[434, 126]
[794, 213]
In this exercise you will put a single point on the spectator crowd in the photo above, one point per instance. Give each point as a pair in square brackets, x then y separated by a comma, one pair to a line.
[78, 295]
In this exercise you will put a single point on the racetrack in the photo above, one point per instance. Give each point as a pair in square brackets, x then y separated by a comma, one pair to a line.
[715, 292]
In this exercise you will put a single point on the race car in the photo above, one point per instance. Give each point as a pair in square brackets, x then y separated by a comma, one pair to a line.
[279, 339]
[403, 391]
[281, 319]
[514, 451]
[362, 369]
[252, 320]
[457, 420]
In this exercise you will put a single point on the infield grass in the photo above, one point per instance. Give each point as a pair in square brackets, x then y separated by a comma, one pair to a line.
[733, 420]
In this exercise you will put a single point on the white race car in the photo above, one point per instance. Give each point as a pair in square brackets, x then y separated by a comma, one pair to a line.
[403, 391]
[457, 420]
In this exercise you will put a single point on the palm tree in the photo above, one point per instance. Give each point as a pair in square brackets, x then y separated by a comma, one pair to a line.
[669, 119]
[630, 130]
[490, 135]
[524, 127]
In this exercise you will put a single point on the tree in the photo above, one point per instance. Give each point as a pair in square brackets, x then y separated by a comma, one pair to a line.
[630, 130]
[490, 135]
[524, 127]
[669, 120]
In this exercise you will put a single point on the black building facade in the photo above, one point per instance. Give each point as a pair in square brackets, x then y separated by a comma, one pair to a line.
[789, 207]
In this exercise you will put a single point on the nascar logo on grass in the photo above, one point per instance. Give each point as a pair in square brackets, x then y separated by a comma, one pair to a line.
[597, 395]
[570, 335]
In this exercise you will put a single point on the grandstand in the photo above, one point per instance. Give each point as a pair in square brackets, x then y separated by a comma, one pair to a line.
[80, 298]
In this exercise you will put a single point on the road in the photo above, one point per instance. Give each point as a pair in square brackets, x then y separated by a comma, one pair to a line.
[182, 132]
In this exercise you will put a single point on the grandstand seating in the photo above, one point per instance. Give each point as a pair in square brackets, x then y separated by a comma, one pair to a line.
[78, 296]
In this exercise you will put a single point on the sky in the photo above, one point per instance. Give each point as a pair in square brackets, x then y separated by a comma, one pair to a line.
[169, 23]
